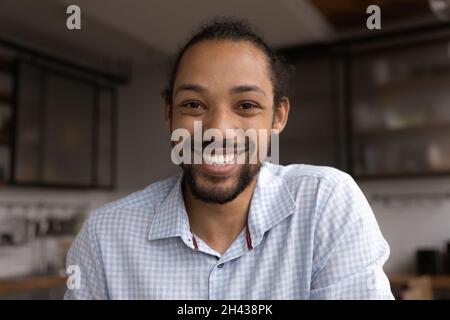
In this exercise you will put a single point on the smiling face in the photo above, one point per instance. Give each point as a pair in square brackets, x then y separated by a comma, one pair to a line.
[225, 85]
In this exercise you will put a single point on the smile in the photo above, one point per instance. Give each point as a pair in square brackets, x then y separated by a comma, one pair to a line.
[218, 157]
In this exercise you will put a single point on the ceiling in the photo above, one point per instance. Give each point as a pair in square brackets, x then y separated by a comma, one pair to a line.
[144, 30]
[351, 14]
[41, 25]
[163, 25]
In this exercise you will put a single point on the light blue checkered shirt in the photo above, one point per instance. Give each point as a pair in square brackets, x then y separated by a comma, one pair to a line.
[313, 233]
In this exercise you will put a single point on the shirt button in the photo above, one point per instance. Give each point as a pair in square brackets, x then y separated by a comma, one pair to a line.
[220, 266]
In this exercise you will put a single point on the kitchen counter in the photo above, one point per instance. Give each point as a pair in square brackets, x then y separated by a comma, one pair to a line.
[420, 287]
[12, 287]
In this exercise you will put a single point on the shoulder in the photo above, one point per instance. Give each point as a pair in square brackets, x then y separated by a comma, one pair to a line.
[315, 188]
[137, 207]
[310, 176]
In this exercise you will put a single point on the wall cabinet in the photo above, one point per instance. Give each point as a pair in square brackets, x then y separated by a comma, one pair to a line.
[401, 110]
[375, 108]
[58, 128]
[6, 115]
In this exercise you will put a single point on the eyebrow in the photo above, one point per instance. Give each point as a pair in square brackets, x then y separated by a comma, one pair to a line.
[247, 88]
[235, 90]
[190, 87]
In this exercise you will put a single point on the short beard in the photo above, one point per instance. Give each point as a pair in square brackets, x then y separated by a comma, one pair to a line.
[217, 196]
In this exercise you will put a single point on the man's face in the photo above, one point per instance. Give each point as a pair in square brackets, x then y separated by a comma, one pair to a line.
[225, 85]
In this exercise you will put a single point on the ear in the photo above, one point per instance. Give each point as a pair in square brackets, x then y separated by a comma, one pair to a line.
[281, 114]
[168, 116]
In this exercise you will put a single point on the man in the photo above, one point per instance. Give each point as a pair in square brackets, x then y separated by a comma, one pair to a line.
[224, 230]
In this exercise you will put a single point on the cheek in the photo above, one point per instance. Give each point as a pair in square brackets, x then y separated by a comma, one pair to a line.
[183, 122]
[258, 122]
[262, 128]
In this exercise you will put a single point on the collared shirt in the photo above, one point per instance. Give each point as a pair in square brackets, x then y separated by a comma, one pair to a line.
[313, 236]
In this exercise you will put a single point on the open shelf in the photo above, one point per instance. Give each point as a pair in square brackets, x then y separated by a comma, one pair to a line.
[399, 87]
[416, 129]
[400, 120]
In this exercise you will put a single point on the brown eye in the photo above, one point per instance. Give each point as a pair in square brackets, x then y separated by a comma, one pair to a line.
[247, 106]
[191, 105]
[191, 108]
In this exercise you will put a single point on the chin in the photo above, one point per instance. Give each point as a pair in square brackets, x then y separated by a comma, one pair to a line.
[216, 189]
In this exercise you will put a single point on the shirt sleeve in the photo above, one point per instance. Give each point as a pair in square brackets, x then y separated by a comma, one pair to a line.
[349, 249]
[84, 258]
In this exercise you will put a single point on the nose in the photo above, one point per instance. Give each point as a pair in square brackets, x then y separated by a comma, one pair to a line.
[220, 117]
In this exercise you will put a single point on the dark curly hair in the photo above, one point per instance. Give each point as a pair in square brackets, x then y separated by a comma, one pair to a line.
[232, 29]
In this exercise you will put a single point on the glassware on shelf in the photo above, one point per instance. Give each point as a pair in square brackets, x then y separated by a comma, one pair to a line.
[401, 114]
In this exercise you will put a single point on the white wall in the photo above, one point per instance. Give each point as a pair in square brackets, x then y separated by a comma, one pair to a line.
[143, 141]
[23, 259]
[410, 225]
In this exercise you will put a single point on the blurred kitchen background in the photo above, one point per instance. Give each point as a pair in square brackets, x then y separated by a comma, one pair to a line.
[81, 119]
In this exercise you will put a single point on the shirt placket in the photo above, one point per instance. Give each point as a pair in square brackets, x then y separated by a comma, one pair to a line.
[220, 274]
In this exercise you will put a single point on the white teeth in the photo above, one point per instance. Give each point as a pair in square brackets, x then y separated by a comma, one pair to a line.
[229, 158]
[219, 160]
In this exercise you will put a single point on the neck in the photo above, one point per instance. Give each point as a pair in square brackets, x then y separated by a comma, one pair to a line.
[218, 224]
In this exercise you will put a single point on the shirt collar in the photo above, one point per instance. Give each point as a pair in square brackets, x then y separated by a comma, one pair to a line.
[171, 219]
[271, 203]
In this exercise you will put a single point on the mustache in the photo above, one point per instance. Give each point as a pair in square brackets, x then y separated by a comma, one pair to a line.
[200, 146]
[240, 151]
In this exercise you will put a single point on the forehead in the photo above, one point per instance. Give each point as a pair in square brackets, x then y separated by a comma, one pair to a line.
[226, 63]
